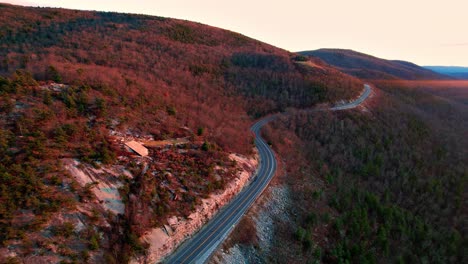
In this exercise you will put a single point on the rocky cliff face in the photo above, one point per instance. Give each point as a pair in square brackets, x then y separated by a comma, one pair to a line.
[103, 182]
[164, 240]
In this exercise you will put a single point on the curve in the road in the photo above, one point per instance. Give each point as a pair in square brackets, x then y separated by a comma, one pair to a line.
[355, 103]
[199, 248]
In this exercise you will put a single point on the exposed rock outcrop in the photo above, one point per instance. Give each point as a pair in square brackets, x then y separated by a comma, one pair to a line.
[162, 242]
[266, 216]
[103, 182]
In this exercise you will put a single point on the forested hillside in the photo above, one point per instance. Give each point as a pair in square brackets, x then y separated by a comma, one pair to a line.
[369, 67]
[75, 85]
[385, 185]
[176, 59]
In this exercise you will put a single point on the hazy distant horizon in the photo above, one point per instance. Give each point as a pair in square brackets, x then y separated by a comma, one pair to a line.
[428, 33]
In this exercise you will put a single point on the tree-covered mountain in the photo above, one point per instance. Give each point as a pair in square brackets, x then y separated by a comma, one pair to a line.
[381, 184]
[369, 67]
[76, 85]
[384, 183]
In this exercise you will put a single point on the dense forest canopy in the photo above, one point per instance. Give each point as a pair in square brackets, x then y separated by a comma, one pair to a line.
[72, 80]
[387, 185]
[369, 67]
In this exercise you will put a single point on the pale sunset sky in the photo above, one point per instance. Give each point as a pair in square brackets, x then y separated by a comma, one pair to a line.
[426, 32]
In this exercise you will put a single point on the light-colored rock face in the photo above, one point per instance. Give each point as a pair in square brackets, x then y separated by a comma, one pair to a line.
[55, 87]
[274, 208]
[234, 255]
[156, 238]
[267, 213]
[105, 181]
[172, 221]
[161, 244]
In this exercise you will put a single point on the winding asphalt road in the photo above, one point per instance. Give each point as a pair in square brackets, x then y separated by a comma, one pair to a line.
[364, 95]
[199, 248]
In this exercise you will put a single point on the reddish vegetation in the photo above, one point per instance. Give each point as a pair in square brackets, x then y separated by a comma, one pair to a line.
[146, 77]
[174, 184]
[368, 67]
[444, 101]
[453, 90]
[363, 184]
[151, 63]
[382, 185]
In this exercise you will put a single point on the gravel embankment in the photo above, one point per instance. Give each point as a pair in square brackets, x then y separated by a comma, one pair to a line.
[272, 210]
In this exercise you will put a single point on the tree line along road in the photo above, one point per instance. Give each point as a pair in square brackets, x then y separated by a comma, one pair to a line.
[200, 247]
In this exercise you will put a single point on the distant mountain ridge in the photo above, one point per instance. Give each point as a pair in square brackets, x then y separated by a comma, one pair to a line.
[454, 71]
[369, 67]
